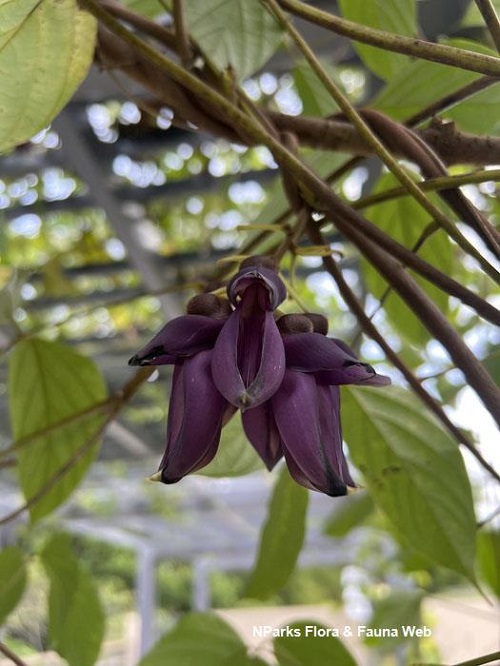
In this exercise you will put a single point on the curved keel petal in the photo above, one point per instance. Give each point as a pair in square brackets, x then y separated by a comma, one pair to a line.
[195, 419]
[313, 352]
[262, 432]
[311, 449]
[182, 336]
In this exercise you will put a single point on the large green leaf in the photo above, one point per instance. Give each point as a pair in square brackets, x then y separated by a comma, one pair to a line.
[399, 609]
[348, 513]
[12, 15]
[404, 220]
[76, 618]
[414, 472]
[307, 647]
[233, 34]
[421, 83]
[12, 579]
[473, 16]
[489, 559]
[236, 456]
[492, 364]
[316, 100]
[281, 539]
[397, 16]
[49, 382]
[198, 638]
[46, 49]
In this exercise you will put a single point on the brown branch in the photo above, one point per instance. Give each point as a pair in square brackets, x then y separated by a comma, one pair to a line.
[164, 35]
[181, 34]
[371, 331]
[113, 53]
[414, 148]
[450, 144]
[347, 220]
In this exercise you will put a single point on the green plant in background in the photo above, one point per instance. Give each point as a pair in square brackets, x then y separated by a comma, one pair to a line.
[428, 278]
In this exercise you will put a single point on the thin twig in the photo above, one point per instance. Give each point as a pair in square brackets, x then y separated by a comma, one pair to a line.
[159, 32]
[489, 14]
[124, 396]
[371, 331]
[348, 222]
[365, 131]
[10, 655]
[181, 34]
[440, 183]
[96, 408]
[450, 100]
[418, 48]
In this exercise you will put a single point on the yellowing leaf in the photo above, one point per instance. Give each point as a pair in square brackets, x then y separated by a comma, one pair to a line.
[44, 55]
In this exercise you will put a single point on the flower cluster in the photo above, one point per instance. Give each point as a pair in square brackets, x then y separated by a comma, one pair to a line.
[282, 372]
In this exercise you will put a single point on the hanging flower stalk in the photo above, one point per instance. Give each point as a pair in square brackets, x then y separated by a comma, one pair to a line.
[281, 372]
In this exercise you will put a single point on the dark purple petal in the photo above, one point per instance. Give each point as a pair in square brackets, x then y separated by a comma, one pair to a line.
[182, 336]
[194, 420]
[252, 275]
[260, 429]
[308, 422]
[313, 352]
[248, 360]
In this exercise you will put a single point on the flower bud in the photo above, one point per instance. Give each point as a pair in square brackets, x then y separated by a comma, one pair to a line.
[319, 322]
[294, 323]
[209, 305]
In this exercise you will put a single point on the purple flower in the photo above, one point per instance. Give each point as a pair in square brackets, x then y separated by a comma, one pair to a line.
[302, 419]
[197, 411]
[248, 361]
[283, 375]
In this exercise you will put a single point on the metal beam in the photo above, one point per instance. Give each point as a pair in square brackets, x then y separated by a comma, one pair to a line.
[82, 161]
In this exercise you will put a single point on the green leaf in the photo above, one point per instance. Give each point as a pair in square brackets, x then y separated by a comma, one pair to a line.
[348, 513]
[489, 559]
[12, 15]
[12, 579]
[397, 16]
[399, 608]
[236, 456]
[403, 219]
[492, 364]
[473, 16]
[149, 8]
[49, 382]
[281, 539]
[414, 472]
[76, 618]
[307, 648]
[421, 83]
[198, 638]
[316, 100]
[46, 49]
[233, 34]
